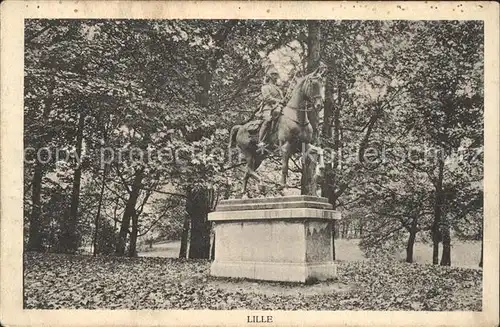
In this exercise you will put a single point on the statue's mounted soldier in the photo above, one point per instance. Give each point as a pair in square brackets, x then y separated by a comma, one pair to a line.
[287, 126]
[272, 99]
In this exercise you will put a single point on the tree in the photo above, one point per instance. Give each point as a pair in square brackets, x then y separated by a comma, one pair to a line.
[199, 203]
[449, 108]
[46, 53]
[308, 184]
[400, 205]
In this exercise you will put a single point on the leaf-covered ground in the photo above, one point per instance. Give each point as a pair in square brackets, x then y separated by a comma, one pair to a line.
[62, 281]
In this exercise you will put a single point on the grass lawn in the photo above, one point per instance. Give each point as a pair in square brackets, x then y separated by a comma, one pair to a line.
[54, 281]
[463, 254]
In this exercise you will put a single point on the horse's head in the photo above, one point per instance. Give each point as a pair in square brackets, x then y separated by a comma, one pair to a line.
[315, 87]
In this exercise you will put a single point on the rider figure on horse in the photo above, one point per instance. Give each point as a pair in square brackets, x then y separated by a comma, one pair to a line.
[272, 99]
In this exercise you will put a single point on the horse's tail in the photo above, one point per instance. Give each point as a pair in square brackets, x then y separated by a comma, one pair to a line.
[232, 135]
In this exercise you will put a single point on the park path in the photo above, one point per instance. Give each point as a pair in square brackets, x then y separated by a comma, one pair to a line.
[164, 250]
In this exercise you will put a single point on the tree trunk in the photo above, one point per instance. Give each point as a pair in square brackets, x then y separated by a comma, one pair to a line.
[197, 214]
[35, 235]
[336, 159]
[313, 45]
[308, 183]
[69, 237]
[212, 251]
[481, 258]
[446, 255]
[184, 238]
[328, 186]
[438, 203]
[97, 216]
[333, 239]
[115, 218]
[35, 242]
[129, 212]
[198, 205]
[132, 248]
[435, 252]
[207, 69]
[331, 118]
[411, 241]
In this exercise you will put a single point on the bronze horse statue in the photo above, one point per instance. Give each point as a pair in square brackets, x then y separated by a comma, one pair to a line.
[293, 131]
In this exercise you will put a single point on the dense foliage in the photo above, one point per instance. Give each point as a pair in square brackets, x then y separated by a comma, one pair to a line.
[131, 120]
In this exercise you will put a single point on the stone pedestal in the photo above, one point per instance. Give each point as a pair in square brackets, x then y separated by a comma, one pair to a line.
[282, 239]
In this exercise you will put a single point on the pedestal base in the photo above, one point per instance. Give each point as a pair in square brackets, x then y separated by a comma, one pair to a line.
[278, 239]
[274, 271]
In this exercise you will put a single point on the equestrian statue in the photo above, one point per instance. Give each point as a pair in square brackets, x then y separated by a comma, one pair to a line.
[287, 126]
